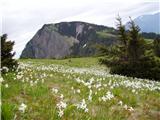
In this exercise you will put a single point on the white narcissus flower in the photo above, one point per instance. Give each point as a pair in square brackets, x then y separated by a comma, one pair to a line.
[108, 96]
[104, 98]
[22, 107]
[120, 103]
[60, 113]
[15, 116]
[35, 82]
[19, 77]
[5, 68]
[78, 80]
[54, 90]
[61, 106]
[6, 85]
[86, 110]
[42, 80]
[133, 90]
[82, 105]
[89, 86]
[125, 107]
[31, 83]
[61, 96]
[90, 95]
[1, 80]
[78, 91]
[90, 98]
[131, 109]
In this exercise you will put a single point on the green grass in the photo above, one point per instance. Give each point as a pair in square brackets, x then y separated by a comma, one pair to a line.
[104, 35]
[149, 41]
[7, 111]
[62, 74]
[72, 62]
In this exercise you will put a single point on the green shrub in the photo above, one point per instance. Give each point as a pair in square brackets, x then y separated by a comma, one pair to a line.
[147, 67]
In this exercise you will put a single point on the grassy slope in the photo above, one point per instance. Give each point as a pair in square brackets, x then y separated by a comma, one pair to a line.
[104, 35]
[73, 62]
[41, 101]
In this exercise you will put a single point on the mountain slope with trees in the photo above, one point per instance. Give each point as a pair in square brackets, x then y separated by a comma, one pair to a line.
[70, 39]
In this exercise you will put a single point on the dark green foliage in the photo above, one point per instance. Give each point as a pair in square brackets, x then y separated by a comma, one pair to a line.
[123, 35]
[157, 46]
[6, 54]
[130, 57]
[135, 43]
[146, 67]
[123, 38]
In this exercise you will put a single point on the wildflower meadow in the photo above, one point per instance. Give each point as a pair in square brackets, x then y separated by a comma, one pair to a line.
[76, 89]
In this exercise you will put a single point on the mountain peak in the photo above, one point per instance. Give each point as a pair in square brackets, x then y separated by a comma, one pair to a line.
[63, 39]
[148, 22]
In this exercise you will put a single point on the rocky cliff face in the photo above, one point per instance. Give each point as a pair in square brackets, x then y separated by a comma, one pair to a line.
[68, 39]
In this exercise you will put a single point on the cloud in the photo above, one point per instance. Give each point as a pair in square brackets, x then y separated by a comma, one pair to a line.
[21, 19]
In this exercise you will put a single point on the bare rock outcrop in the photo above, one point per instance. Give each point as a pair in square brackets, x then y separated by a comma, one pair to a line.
[68, 39]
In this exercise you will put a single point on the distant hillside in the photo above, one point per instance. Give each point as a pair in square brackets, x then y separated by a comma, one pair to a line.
[68, 39]
[148, 23]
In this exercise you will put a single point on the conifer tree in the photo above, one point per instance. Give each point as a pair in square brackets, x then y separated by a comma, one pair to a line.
[7, 60]
[129, 57]
[135, 43]
[123, 39]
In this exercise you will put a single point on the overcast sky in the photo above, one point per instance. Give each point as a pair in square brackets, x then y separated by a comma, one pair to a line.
[21, 19]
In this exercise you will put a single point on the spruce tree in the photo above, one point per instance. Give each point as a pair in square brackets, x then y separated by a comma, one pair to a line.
[123, 39]
[135, 43]
[129, 57]
[7, 60]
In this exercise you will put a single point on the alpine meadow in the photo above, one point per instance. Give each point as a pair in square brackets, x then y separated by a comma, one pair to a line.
[80, 60]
